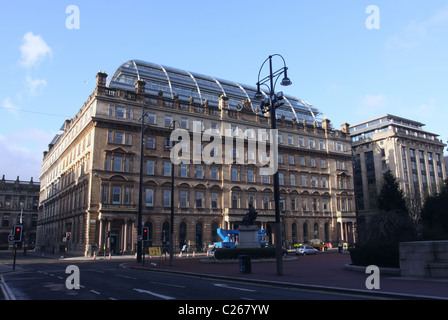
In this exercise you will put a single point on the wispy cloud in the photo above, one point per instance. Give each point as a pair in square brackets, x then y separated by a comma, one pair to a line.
[23, 151]
[35, 86]
[33, 50]
[12, 109]
[416, 31]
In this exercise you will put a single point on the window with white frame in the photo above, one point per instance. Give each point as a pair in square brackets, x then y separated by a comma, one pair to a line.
[166, 198]
[149, 197]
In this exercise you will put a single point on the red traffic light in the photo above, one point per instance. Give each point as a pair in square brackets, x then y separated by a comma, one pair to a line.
[145, 234]
[17, 233]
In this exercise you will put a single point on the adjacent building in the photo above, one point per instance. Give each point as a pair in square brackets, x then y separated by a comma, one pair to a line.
[19, 202]
[414, 156]
[90, 174]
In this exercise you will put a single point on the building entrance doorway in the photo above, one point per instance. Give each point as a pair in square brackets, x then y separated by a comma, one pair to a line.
[114, 248]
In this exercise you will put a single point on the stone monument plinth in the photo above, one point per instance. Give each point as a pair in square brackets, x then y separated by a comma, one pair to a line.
[248, 236]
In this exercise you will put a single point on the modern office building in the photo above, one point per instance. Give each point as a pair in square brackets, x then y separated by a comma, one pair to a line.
[19, 202]
[90, 174]
[414, 156]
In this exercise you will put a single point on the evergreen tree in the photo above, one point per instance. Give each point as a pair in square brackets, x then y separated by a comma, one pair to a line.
[391, 197]
[380, 233]
[435, 215]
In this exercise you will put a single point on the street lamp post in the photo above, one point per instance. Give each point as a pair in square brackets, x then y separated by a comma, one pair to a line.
[140, 188]
[171, 247]
[269, 105]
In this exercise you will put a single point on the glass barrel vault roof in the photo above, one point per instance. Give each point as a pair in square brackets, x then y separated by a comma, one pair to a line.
[186, 84]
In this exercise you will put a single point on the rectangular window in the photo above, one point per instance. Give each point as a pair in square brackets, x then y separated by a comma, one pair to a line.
[234, 174]
[105, 194]
[108, 160]
[322, 164]
[265, 202]
[282, 204]
[235, 201]
[151, 118]
[149, 197]
[199, 172]
[127, 195]
[251, 199]
[183, 170]
[118, 164]
[116, 195]
[281, 180]
[214, 173]
[119, 137]
[292, 179]
[168, 121]
[184, 123]
[183, 199]
[167, 168]
[151, 143]
[120, 112]
[150, 167]
[303, 181]
[291, 159]
[214, 200]
[199, 199]
[250, 175]
[166, 198]
[312, 145]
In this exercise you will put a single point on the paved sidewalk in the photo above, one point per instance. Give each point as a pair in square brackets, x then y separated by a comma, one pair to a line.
[323, 270]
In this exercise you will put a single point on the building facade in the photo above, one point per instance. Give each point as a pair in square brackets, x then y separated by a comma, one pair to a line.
[19, 202]
[414, 156]
[90, 174]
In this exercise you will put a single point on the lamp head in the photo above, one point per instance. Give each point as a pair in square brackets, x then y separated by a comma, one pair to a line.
[286, 81]
[258, 94]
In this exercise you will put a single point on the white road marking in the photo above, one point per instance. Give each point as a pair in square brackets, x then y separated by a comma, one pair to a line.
[222, 285]
[154, 294]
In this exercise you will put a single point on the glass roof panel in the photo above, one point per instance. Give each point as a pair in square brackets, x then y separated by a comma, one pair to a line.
[201, 87]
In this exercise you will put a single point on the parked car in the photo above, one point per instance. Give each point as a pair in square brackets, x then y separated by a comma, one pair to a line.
[305, 249]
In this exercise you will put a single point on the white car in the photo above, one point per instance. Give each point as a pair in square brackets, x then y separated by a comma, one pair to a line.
[304, 250]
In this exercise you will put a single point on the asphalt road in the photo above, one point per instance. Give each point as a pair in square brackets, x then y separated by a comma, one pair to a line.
[38, 278]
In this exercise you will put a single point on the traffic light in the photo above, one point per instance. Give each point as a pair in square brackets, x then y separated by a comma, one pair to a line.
[67, 236]
[17, 233]
[145, 234]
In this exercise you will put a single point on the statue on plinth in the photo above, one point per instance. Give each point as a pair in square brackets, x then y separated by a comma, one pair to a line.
[250, 217]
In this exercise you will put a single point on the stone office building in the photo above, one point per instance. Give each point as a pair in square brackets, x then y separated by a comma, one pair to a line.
[90, 174]
[414, 156]
[19, 202]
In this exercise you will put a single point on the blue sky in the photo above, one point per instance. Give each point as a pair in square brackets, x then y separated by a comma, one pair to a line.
[349, 72]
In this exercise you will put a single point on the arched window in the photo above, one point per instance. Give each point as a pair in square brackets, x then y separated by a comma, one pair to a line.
[199, 236]
[182, 234]
[316, 231]
[165, 232]
[294, 232]
[305, 232]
